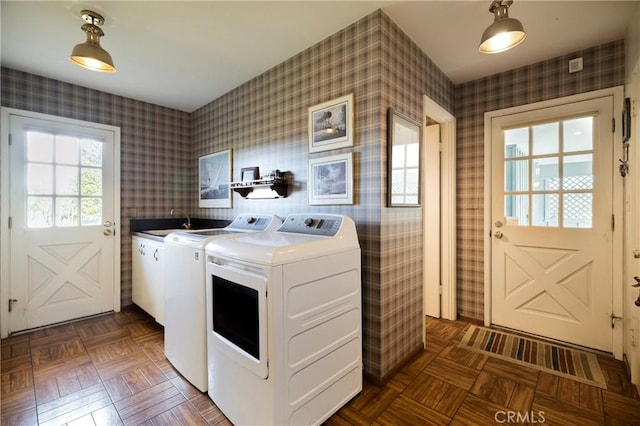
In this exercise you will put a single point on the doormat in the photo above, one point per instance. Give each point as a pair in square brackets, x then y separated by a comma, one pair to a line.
[562, 361]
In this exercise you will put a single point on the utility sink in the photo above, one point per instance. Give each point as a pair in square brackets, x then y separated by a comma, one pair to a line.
[165, 232]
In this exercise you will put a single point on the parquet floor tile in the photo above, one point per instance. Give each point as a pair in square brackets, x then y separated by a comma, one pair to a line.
[111, 370]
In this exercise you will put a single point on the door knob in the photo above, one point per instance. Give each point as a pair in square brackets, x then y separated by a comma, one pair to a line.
[106, 232]
[498, 235]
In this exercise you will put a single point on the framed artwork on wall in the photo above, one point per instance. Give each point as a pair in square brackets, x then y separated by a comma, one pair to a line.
[214, 176]
[331, 180]
[331, 124]
[403, 159]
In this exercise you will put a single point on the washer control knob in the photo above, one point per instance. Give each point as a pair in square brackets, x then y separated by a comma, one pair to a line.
[251, 219]
[308, 221]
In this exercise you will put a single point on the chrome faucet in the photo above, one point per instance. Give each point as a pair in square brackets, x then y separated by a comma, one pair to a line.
[184, 225]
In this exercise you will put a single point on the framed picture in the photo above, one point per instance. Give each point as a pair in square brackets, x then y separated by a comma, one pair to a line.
[403, 159]
[214, 175]
[331, 180]
[248, 174]
[331, 124]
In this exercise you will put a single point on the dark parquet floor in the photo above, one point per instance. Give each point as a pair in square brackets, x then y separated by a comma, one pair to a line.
[111, 370]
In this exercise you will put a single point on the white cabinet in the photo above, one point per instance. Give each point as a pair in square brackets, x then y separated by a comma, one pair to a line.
[148, 276]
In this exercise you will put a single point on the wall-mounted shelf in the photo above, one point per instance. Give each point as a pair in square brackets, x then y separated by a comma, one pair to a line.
[261, 188]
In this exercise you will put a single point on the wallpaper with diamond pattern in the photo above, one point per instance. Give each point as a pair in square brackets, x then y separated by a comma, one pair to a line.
[603, 67]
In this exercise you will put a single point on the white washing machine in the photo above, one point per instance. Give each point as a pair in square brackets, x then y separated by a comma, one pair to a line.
[185, 344]
[284, 321]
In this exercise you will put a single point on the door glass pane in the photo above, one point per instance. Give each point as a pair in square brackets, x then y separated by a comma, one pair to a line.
[577, 210]
[90, 153]
[545, 174]
[545, 138]
[398, 182]
[66, 211]
[398, 160]
[578, 134]
[411, 199]
[412, 181]
[39, 147]
[516, 209]
[67, 180]
[91, 211]
[544, 210]
[39, 212]
[516, 142]
[578, 172]
[516, 175]
[91, 181]
[53, 168]
[413, 154]
[39, 179]
[66, 150]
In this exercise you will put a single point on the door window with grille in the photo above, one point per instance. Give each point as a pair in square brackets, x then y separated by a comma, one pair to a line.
[64, 180]
[548, 174]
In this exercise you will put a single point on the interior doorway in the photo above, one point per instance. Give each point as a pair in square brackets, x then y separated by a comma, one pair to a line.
[439, 211]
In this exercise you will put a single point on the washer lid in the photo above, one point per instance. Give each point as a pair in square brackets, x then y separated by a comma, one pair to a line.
[244, 223]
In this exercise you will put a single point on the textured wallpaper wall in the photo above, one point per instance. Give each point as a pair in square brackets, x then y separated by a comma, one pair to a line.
[407, 75]
[155, 145]
[264, 121]
[603, 67]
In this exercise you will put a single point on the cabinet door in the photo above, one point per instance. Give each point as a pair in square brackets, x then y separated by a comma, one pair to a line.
[141, 294]
[155, 278]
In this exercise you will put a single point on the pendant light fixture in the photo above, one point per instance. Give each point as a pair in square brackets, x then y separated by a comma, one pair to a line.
[90, 54]
[504, 33]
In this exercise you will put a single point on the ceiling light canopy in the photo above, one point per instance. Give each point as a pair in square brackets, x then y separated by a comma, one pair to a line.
[90, 54]
[504, 33]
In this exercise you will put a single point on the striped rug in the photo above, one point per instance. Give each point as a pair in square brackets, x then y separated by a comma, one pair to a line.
[562, 361]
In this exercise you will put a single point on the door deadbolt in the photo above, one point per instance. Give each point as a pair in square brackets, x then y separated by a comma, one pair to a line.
[498, 224]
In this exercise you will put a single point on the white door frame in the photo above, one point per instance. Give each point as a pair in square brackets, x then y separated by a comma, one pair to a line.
[439, 213]
[618, 234]
[5, 114]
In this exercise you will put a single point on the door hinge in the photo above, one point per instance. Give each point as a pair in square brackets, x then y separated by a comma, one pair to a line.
[11, 302]
[10, 222]
[440, 288]
[613, 125]
[9, 139]
[613, 222]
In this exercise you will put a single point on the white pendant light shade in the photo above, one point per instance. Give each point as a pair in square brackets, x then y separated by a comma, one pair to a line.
[90, 54]
[504, 33]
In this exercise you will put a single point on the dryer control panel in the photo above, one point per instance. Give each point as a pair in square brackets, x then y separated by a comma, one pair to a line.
[325, 225]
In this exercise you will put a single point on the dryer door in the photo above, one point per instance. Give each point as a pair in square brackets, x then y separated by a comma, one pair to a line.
[238, 315]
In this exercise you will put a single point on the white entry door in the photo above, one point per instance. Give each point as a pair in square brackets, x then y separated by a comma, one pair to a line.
[63, 242]
[552, 230]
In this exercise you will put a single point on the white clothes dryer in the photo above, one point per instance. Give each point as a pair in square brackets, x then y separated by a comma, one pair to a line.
[284, 321]
[185, 343]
